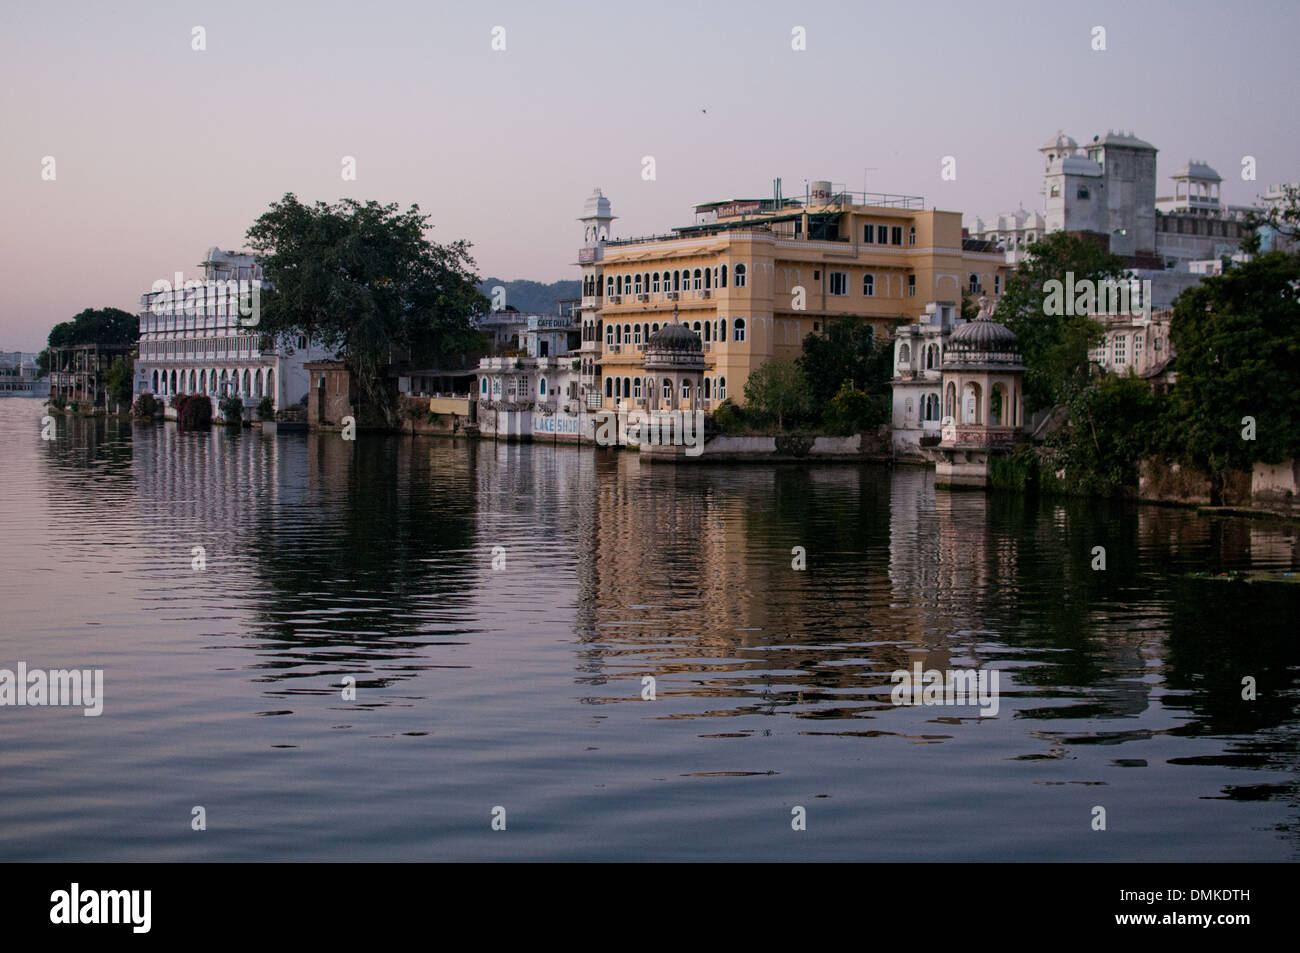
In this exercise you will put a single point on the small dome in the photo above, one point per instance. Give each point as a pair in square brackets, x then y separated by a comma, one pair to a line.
[674, 337]
[1059, 143]
[983, 334]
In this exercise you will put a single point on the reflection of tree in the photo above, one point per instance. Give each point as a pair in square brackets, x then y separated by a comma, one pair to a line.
[369, 561]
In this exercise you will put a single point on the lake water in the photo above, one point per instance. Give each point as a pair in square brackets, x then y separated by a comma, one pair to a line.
[521, 687]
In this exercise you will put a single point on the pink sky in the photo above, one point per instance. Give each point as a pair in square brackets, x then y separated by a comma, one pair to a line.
[162, 151]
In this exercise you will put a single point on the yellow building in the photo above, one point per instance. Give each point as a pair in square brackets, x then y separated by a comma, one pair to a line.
[754, 277]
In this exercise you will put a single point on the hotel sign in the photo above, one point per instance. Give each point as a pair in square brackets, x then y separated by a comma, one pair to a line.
[732, 209]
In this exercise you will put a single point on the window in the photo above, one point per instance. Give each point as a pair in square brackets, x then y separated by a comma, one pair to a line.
[636, 387]
[1083, 192]
[1056, 191]
[686, 391]
[609, 335]
[636, 334]
[302, 343]
[482, 386]
[997, 284]
[668, 390]
[839, 282]
[869, 285]
[609, 287]
[723, 276]
[1121, 346]
[654, 283]
[896, 233]
[638, 284]
[739, 325]
[911, 235]
[904, 354]
[1137, 347]
[722, 330]
[974, 283]
[882, 234]
[696, 286]
[869, 234]
[911, 286]
[541, 387]
[740, 276]
[609, 387]
[721, 392]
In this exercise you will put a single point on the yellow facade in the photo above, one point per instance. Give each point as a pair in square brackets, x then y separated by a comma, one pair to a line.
[756, 286]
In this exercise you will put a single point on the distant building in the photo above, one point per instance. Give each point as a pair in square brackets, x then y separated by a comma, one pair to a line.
[195, 340]
[532, 390]
[20, 375]
[80, 372]
[1013, 233]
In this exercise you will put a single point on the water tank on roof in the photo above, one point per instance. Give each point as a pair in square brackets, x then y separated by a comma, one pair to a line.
[819, 192]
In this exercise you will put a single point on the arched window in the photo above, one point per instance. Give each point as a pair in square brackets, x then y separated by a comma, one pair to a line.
[904, 354]
[482, 386]
[677, 281]
[696, 285]
[609, 286]
[203, 381]
[541, 387]
[721, 392]
[668, 391]
[638, 284]
[722, 283]
[686, 392]
[654, 328]
[173, 383]
[636, 334]
[739, 329]
[869, 285]
[911, 235]
[722, 330]
[627, 387]
[740, 276]
[696, 327]
[609, 387]
[636, 387]
[971, 398]
[932, 358]
[155, 382]
[708, 274]
[708, 330]
[974, 283]
[932, 407]
[654, 283]
[995, 406]
[627, 333]
[247, 388]
[707, 388]
[270, 384]
[951, 401]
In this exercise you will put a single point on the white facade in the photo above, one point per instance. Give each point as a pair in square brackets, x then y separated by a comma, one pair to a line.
[194, 339]
[20, 376]
[535, 394]
[918, 377]
[1014, 232]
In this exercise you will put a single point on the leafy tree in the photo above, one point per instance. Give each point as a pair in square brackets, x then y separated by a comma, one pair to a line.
[851, 410]
[364, 280]
[1113, 423]
[1283, 217]
[780, 389]
[847, 351]
[107, 327]
[119, 381]
[1237, 356]
[1055, 347]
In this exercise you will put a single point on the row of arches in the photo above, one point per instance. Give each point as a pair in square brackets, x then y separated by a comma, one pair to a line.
[622, 388]
[679, 279]
[709, 331]
[932, 358]
[251, 382]
[1000, 410]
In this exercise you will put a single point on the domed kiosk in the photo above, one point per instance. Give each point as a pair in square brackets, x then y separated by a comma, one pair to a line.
[983, 399]
[674, 376]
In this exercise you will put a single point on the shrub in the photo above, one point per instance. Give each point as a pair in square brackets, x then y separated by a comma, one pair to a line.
[728, 417]
[146, 405]
[851, 410]
[232, 410]
[266, 408]
[193, 412]
[59, 402]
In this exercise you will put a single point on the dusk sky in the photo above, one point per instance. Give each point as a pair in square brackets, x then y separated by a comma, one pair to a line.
[162, 151]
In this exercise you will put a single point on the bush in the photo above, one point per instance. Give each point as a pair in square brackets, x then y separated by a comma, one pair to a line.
[59, 402]
[193, 412]
[852, 410]
[232, 411]
[728, 417]
[266, 408]
[146, 405]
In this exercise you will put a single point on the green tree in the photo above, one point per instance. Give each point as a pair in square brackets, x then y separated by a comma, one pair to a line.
[1237, 356]
[780, 389]
[1282, 216]
[846, 351]
[851, 410]
[365, 280]
[106, 327]
[120, 381]
[1055, 347]
[1112, 424]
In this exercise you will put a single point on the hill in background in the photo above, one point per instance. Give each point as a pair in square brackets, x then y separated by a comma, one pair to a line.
[533, 297]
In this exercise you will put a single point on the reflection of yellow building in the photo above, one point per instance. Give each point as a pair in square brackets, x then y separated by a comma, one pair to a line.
[753, 278]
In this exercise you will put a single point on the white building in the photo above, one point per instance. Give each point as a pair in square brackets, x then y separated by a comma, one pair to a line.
[534, 393]
[195, 340]
[20, 376]
[918, 377]
[1014, 232]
